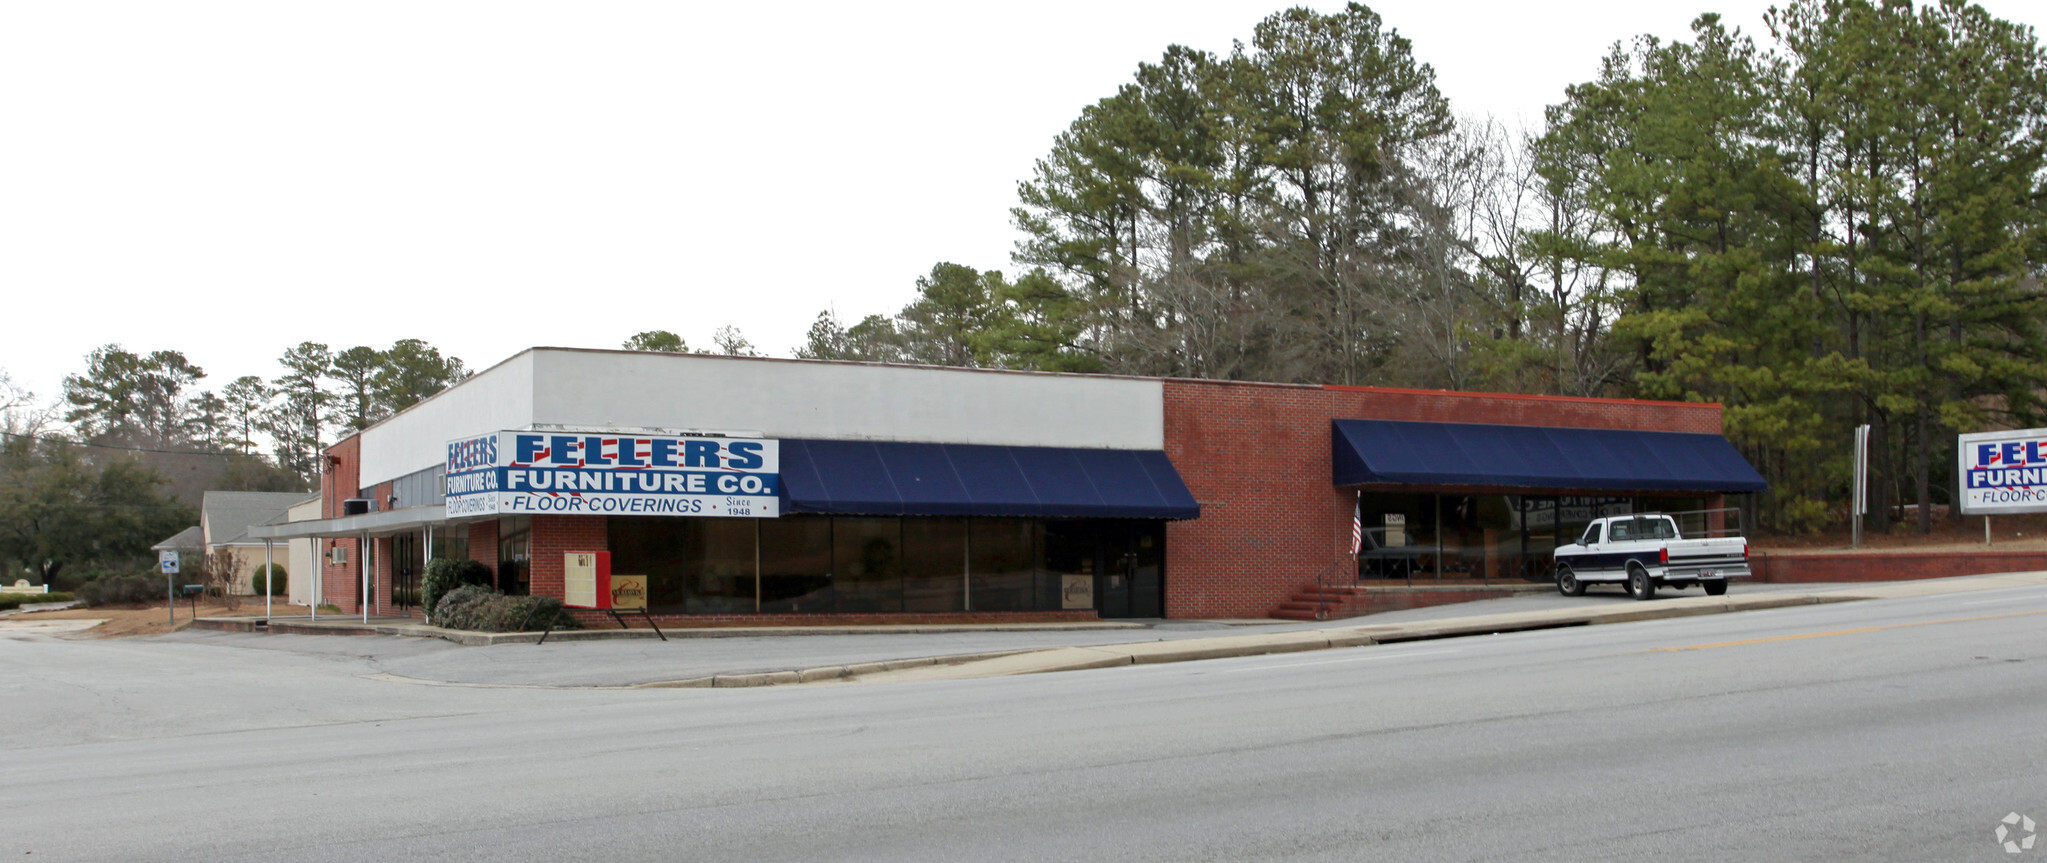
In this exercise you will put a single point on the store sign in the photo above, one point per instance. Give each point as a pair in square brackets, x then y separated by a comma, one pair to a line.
[514, 473]
[2003, 471]
[629, 592]
[1076, 591]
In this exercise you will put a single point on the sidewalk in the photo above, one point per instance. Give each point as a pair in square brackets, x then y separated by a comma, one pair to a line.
[783, 655]
[1364, 631]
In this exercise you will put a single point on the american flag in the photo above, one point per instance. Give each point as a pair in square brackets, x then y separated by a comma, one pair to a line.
[1357, 525]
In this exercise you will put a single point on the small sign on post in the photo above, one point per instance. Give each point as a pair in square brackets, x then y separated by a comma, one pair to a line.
[167, 560]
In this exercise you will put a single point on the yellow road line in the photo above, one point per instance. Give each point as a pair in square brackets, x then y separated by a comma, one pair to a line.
[1839, 632]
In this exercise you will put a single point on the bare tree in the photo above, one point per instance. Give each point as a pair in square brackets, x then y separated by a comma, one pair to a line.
[21, 414]
[222, 571]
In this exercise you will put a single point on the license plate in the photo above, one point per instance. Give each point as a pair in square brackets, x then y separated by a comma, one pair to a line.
[1707, 573]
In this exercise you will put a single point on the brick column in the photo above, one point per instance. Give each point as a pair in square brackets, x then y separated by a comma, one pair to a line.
[554, 536]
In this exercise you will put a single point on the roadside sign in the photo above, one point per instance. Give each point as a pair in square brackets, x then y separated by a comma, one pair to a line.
[168, 561]
[2003, 472]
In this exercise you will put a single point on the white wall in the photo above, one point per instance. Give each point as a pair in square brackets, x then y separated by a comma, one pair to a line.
[298, 562]
[556, 387]
[841, 401]
[500, 397]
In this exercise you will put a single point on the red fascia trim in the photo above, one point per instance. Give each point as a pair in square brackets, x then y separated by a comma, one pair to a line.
[1520, 396]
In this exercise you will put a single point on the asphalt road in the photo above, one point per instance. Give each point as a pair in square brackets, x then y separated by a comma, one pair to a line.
[1881, 730]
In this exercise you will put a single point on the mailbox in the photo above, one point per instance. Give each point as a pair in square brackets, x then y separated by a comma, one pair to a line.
[192, 590]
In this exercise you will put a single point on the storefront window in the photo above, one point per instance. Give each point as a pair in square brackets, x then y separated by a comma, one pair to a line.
[514, 569]
[796, 565]
[1485, 537]
[934, 564]
[867, 562]
[812, 564]
[719, 565]
[1535, 523]
[1399, 535]
[1690, 513]
[657, 548]
[1002, 560]
[451, 542]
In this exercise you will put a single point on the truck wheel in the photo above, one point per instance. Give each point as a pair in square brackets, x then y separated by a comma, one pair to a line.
[1716, 588]
[1568, 583]
[1640, 585]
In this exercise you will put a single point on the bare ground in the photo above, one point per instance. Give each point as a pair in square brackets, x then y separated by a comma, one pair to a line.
[127, 620]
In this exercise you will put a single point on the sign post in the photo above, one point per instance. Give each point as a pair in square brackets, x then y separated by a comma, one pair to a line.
[1859, 505]
[167, 560]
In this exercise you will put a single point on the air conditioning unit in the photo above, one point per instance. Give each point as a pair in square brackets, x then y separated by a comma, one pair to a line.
[337, 555]
[357, 506]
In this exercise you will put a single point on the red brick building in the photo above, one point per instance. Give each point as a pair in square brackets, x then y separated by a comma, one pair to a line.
[907, 493]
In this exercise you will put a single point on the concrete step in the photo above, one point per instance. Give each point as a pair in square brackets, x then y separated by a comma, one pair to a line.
[1335, 602]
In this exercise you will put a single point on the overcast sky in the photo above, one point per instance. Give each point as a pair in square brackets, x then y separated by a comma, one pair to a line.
[229, 179]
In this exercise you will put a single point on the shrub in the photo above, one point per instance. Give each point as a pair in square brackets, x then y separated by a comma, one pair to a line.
[440, 578]
[479, 609]
[121, 590]
[260, 581]
[525, 613]
[455, 609]
[69, 579]
[444, 575]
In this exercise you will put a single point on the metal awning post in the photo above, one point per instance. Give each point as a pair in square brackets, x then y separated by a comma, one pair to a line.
[269, 576]
[426, 556]
[362, 564]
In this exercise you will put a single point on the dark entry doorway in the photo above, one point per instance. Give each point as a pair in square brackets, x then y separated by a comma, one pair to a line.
[405, 570]
[1127, 560]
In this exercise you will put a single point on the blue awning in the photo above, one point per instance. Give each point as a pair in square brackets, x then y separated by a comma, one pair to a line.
[1464, 454]
[890, 478]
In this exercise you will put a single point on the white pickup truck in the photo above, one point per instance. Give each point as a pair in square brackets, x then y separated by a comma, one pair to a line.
[1645, 552]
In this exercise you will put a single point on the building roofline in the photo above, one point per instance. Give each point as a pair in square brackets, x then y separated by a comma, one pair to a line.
[1524, 397]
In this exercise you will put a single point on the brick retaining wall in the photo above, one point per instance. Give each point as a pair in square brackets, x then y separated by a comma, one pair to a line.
[1885, 566]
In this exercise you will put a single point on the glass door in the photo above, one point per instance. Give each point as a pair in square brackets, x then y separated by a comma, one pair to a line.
[1125, 560]
[405, 571]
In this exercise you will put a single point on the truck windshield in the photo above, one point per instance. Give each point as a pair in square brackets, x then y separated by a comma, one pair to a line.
[1643, 528]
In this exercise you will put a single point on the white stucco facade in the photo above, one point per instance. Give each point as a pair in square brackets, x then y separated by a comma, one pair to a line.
[558, 388]
[298, 569]
[498, 397]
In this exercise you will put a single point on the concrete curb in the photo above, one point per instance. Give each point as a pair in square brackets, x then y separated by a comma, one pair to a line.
[33, 607]
[821, 675]
[486, 639]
